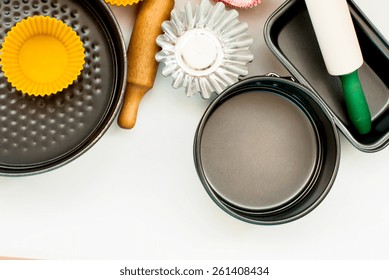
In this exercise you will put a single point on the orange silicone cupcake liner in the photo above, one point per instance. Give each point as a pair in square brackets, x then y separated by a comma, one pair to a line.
[42, 56]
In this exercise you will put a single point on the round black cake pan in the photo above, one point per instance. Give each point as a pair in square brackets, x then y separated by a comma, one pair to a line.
[42, 133]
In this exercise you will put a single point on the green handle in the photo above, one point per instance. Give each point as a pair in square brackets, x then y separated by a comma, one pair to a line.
[356, 103]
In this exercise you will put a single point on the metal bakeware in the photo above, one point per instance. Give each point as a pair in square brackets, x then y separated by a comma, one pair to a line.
[42, 133]
[267, 150]
[290, 36]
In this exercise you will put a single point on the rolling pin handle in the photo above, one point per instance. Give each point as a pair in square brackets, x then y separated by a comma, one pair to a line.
[133, 96]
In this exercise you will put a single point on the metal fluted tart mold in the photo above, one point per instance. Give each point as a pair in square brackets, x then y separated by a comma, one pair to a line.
[42, 56]
[205, 48]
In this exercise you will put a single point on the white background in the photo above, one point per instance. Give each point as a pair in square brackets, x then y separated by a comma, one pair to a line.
[136, 194]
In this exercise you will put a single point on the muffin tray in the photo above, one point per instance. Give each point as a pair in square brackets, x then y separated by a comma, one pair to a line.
[290, 36]
[42, 133]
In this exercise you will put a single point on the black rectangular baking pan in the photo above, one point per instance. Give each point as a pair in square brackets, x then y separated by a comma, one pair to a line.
[290, 36]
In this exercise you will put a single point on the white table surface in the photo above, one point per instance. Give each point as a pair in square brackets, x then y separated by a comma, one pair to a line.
[136, 194]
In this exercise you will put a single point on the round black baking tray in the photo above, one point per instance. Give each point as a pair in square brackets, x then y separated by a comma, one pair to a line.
[42, 133]
[267, 150]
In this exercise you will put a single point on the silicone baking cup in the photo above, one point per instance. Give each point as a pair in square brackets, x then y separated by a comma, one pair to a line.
[122, 2]
[240, 3]
[42, 56]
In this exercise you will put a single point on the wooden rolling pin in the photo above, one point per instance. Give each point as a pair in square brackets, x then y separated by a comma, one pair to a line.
[338, 41]
[142, 66]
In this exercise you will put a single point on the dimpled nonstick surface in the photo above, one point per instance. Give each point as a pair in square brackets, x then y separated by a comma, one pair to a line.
[259, 150]
[43, 131]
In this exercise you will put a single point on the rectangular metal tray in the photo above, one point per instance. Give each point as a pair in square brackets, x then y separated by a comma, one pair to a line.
[289, 35]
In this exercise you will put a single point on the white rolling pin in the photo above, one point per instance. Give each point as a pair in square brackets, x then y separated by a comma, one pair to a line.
[342, 55]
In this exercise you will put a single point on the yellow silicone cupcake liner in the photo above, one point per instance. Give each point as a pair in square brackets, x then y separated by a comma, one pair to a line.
[122, 2]
[42, 56]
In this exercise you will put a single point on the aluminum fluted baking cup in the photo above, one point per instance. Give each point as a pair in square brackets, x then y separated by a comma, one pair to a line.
[205, 48]
[41, 56]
